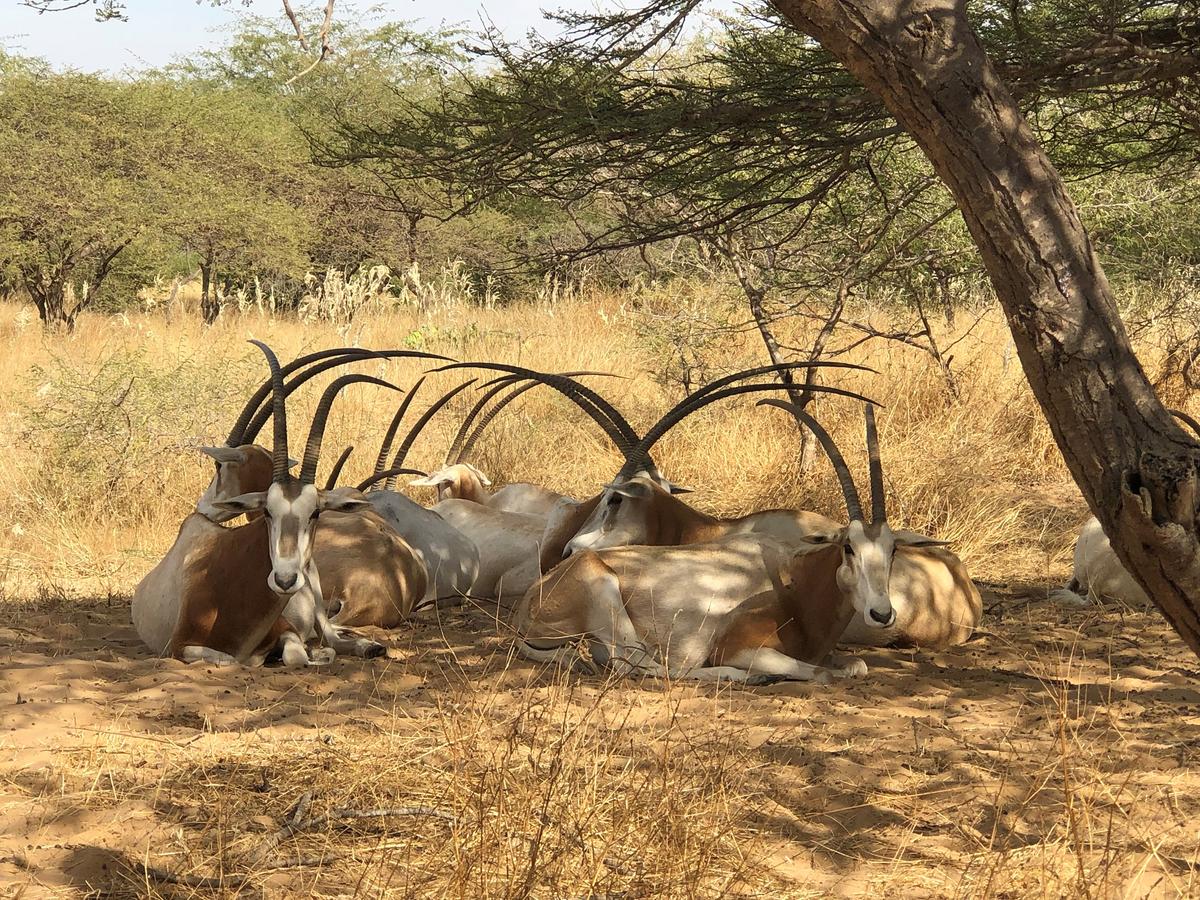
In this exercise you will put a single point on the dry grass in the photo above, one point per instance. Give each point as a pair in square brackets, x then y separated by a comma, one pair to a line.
[1055, 756]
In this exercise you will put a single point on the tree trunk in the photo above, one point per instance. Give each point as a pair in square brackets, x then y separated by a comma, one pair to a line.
[49, 295]
[1136, 468]
[210, 306]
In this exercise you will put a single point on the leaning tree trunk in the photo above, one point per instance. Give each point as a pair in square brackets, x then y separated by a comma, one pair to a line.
[1136, 468]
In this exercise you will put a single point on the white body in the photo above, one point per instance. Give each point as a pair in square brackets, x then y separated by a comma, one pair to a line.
[1098, 573]
[156, 599]
[451, 558]
[507, 544]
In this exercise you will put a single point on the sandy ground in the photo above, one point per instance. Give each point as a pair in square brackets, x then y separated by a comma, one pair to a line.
[1056, 754]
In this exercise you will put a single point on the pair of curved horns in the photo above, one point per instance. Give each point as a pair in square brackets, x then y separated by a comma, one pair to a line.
[720, 390]
[854, 509]
[463, 443]
[255, 413]
[600, 410]
[316, 431]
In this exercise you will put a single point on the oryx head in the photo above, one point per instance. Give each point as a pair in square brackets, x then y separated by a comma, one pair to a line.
[867, 548]
[630, 510]
[639, 506]
[242, 466]
[457, 480]
[290, 505]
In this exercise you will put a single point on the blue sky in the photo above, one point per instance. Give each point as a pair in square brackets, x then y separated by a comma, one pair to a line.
[158, 30]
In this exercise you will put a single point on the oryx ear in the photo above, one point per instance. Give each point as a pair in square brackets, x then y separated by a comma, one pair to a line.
[436, 480]
[635, 489]
[224, 454]
[678, 489]
[343, 499]
[913, 539]
[483, 479]
[243, 503]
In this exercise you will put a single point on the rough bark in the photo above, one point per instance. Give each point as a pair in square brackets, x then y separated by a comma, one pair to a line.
[1136, 468]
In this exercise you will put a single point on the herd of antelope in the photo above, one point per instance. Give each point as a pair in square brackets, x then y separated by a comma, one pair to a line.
[633, 580]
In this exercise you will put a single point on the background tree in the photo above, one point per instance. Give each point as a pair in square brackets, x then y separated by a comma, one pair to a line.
[79, 193]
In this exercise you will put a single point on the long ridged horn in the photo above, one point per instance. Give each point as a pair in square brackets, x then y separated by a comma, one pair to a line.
[389, 473]
[336, 472]
[878, 501]
[600, 410]
[316, 431]
[411, 437]
[849, 491]
[1186, 420]
[693, 403]
[279, 449]
[351, 355]
[256, 399]
[713, 386]
[386, 447]
[463, 444]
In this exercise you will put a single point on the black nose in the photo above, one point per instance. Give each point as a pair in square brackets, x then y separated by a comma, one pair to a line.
[883, 619]
[285, 582]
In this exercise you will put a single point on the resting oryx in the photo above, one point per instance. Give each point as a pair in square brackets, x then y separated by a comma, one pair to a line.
[634, 509]
[229, 595]
[1096, 571]
[742, 608]
[935, 600]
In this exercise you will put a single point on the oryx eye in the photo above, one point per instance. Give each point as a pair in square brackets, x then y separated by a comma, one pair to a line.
[849, 550]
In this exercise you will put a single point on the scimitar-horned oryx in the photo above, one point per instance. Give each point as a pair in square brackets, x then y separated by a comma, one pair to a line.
[231, 594]
[746, 608]
[1097, 572]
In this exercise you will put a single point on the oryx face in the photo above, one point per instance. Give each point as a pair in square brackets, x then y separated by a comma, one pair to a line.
[290, 509]
[622, 517]
[866, 569]
[238, 470]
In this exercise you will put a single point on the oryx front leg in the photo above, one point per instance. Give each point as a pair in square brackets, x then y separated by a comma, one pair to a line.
[845, 666]
[765, 661]
[194, 653]
[339, 640]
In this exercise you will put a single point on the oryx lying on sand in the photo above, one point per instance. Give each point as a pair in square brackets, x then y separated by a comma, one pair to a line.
[232, 594]
[742, 608]
[936, 603]
[1097, 572]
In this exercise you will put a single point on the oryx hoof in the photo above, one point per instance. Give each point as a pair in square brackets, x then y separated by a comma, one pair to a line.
[322, 656]
[824, 676]
[763, 679]
[855, 668]
[373, 650]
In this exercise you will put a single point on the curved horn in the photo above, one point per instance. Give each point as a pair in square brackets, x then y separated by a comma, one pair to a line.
[878, 504]
[460, 448]
[413, 432]
[386, 446]
[348, 355]
[389, 473]
[693, 403]
[849, 491]
[316, 431]
[767, 370]
[279, 449]
[600, 410]
[256, 399]
[336, 472]
[1186, 420]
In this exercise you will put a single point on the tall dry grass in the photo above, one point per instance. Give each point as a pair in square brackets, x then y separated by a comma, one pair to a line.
[100, 424]
[1055, 757]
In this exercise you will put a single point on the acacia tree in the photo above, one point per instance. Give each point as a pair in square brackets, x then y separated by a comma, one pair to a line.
[1135, 467]
[78, 192]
